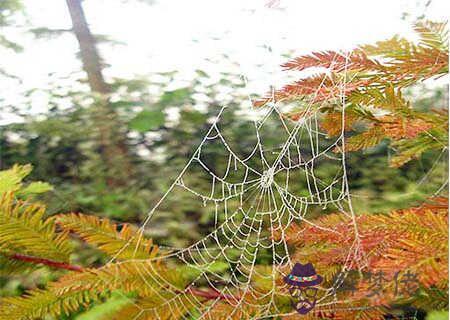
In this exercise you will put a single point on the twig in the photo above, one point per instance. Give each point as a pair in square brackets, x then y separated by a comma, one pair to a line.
[47, 262]
[212, 294]
[209, 294]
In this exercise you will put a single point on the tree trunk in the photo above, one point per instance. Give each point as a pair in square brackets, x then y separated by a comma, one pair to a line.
[89, 55]
[112, 146]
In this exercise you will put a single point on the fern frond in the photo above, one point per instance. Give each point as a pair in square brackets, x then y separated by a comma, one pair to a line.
[355, 310]
[78, 289]
[314, 85]
[431, 299]
[407, 150]
[225, 311]
[312, 90]
[333, 61]
[398, 128]
[10, 267]
[367, 139]
[250, 305]
[103, 234]
[412, 240]
[131, 310]
[387, 98]
[433, 35]
[38, 304]
[107, 309]
[127, 276]
[326, 59]
[388, 48]
[332, 122]
[417, 66]
[156, 307]
[11, 181]
[423, 245]
[408, 62]
[24, 230]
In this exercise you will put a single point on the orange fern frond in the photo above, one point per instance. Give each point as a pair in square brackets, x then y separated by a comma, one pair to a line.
[354, 310]
[400, 128]
[332, 122]
[327, 59]
[315, 89]
[333, 61]
[411, 239]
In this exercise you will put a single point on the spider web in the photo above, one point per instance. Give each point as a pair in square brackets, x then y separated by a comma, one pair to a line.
[254, 198]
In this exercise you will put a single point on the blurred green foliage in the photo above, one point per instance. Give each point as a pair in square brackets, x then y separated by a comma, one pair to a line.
[437, 315]
[60, 145]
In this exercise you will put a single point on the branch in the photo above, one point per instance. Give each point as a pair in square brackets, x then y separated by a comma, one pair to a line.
[210, 294]
[47, 262]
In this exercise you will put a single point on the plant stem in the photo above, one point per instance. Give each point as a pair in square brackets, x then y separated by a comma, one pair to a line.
[47, 262]
[212, 294]
[209, 294]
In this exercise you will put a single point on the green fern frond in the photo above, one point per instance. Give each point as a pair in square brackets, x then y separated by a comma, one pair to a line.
[409, 149]
[103, 234]
[428, 224]
[24, 230]
[127, 276]
[386, 98]
[431, 299]
[130, 310]
[148, 281]
[433, 35]
[35, 187]
[156, 307]
[331, 272]
[80, 289]
[11, 181]
[38, 304]
[388, 48]
[10, 267]
[108, 309]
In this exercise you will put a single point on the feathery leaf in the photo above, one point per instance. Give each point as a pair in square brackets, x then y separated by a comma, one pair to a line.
[104, 235]
[24, 230]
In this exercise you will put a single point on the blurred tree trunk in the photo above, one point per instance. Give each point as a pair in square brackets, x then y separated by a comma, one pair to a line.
[90, 58]
[113, 150]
